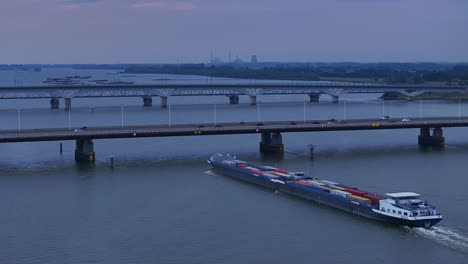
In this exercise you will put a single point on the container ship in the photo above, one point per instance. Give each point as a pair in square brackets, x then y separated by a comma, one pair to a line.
[400, 208]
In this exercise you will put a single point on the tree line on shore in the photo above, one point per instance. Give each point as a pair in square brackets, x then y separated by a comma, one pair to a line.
[391, 73]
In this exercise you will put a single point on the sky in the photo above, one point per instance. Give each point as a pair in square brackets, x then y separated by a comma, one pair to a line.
[177, 31]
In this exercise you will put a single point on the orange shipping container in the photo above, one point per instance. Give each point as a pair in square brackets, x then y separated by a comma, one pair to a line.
[359, 199]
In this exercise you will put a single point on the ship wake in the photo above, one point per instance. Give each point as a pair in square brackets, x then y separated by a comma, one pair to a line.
[445, 236]
[210, 172]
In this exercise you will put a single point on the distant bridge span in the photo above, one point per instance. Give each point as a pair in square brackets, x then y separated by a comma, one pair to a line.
[233, 91]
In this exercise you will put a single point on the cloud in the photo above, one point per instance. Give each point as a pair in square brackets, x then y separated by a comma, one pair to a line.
[81, 1]
[76, 4]
[167, 6]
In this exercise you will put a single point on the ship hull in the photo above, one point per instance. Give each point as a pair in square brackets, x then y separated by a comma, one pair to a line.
[319, 196]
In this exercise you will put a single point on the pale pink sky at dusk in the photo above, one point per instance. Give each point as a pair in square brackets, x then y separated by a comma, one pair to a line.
[158, 31]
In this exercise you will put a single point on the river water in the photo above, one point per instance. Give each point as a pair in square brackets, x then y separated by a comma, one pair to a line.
[160, 204]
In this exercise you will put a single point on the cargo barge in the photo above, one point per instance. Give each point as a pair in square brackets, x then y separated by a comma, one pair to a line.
[401, 208]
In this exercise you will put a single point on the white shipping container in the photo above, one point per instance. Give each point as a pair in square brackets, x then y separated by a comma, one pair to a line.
[340, 193]
[316, 183]
[282, 174]
[269, 168]
[329, 182]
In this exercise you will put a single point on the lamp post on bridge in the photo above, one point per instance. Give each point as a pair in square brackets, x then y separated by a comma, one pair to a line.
[383, 107]
[304, 112]
[69, 119]
[169, 113]
[258, 112]
[19, 119]
[344, 110]
[214, 117]
[420, 109]
[122, 116]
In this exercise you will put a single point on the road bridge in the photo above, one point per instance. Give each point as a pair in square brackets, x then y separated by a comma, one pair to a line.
[431, 133]
[232, 91]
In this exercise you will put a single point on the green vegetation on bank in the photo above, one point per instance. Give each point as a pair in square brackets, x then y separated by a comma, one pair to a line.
[390, 73]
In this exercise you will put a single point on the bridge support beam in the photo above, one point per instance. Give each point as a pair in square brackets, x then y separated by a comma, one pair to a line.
[54, 103]
[84, 151]
[426, 139]
[253, 99]
[233, 99]
[68, 104]
[147, 101]
[335, 99]
[163, 101]
[271, 143]
[314, 97]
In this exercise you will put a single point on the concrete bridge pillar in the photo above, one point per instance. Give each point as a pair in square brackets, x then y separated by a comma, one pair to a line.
[54, 103]
[164, 101]
[147, 101]
[68, 104]
[233, 99]
[335, 99]
[426, 139]
[314, 97]
[271, 143]
[84, 151]
[253, 99]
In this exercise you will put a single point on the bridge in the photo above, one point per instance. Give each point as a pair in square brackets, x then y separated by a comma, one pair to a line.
[431, 133]
[232, 91]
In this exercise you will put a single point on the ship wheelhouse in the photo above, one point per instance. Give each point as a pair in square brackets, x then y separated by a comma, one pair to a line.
[406, 205]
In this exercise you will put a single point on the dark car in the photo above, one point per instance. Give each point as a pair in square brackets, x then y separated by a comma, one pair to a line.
[260, 124]
[292, 123]
[201, 126]
[83, 128]
[316, 122]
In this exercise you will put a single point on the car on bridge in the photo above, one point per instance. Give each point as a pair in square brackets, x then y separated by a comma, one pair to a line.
[406, 120]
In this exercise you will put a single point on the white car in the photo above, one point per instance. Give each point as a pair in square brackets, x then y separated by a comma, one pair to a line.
[405, 120]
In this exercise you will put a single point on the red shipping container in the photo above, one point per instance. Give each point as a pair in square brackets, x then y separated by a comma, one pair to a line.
[302, 183]
[356, 192]
[373, 197]
[282, 171]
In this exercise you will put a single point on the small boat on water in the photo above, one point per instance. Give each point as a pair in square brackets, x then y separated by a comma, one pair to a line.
[401, 208]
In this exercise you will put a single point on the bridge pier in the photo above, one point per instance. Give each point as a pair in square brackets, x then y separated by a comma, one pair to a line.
[84, 151]
[314, 97]
[253, 99]
[233, 99]
[54, 103]
[426, 139]
[68, 104]
[147, 101]
[164, 100]
[335, 99]
[271, 143]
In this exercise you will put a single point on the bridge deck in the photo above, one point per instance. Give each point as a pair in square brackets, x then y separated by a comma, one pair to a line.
[253, 89]
[54, 134]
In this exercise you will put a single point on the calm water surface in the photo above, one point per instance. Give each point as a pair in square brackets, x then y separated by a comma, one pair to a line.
[160, 204]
